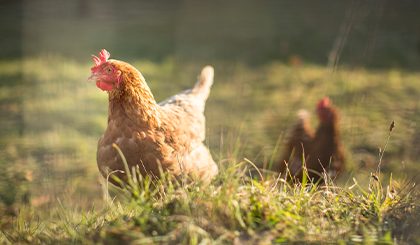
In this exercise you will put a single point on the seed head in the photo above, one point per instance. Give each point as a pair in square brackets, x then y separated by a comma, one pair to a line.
[379, 150]
[392, 126]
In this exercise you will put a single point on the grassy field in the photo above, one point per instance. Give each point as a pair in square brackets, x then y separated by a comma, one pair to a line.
[233, 209]
[51, 191]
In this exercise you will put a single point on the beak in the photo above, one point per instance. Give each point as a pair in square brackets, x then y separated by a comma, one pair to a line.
[93, 78]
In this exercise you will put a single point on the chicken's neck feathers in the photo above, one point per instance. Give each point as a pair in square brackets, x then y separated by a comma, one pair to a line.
[328, 135]
[137, 100]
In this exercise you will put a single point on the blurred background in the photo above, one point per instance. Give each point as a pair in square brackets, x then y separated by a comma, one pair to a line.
[271, 58]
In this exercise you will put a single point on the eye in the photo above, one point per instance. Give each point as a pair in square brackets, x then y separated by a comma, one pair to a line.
[109, 70]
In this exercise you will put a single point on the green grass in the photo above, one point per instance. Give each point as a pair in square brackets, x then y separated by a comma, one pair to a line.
[51, 190]
[234, 208]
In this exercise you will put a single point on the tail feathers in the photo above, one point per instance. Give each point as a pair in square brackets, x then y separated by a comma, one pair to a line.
[303, 116]
[303, 129]
[205, 80]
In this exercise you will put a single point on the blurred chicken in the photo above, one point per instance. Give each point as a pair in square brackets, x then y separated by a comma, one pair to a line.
[319, 148]
[150, 135]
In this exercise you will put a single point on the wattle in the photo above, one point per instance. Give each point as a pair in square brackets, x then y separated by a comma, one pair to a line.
[105, 86]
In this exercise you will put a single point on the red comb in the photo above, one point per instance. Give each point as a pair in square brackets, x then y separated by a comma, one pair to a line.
[325, 102]
[103, 57]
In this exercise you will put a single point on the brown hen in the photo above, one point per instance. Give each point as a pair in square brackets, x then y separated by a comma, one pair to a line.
[168, 135]
[322, 149]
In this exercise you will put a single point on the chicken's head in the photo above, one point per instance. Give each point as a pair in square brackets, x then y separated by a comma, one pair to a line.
[325, 110]
[105, 73]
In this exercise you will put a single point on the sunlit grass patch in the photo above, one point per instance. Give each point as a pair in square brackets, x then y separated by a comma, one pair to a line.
[234, 208]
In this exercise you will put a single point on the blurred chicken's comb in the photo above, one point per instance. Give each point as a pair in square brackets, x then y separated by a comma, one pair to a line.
[103, 57]
[325, 102]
